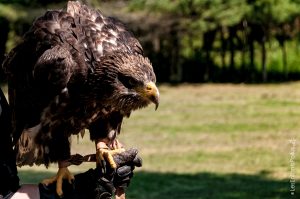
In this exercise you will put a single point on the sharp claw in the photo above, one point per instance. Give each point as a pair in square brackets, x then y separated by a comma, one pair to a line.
[103, 166]
[63, 173]
[100, 160]
[104, 154]
[71, 179]
[49, 181]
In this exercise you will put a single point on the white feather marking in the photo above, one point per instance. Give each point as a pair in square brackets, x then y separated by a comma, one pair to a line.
[111, 134]
[113, 33]
[93, 18]
[99, 26]
[94, 116]
[85, 45]
[53, 27]
[104, 111]
[64, 90]
[100, 49]
[56, 99]
[113, 41]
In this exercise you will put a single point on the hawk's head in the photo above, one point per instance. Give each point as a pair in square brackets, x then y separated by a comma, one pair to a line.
[129, 80]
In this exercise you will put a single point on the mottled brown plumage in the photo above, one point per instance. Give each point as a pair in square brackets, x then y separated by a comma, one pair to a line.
[75, 69]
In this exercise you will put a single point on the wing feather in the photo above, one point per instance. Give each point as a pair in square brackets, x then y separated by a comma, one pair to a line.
[104, 34]
[59, 51]
[39, 69]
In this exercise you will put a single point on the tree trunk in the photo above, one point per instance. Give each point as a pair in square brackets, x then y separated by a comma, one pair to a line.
[208, 38]
[244, 47]
[251, 51]
[231, 47]
[175, 70]
[284, 60]
[223, 48]
[207, 63]
[263, 60]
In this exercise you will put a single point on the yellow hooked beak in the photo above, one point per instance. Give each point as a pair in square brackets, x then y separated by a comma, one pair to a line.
[150, 92]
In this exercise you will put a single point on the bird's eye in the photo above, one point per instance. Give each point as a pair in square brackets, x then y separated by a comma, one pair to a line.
[128, 82]
[132, 82]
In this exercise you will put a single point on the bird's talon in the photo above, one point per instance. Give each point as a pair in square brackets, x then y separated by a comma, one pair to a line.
[104, 154]
[49, 180]
[63, 173]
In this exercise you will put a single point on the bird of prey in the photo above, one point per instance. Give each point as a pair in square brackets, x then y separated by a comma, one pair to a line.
[74, 70]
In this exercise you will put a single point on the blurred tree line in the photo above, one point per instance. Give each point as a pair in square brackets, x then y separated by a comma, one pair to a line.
[193, 40]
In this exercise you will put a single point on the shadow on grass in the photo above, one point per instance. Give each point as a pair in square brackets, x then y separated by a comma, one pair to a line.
[152, 185]
[207, 185]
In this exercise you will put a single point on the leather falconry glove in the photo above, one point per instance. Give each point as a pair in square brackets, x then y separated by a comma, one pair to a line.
[93, 184]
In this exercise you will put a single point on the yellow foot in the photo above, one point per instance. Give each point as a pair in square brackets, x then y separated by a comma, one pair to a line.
[63, 173]
[105, 154]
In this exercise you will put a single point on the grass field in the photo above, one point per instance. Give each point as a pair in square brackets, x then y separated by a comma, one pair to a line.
[210, 141]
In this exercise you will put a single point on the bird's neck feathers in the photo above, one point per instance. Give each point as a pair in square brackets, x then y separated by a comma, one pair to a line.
[100, 80]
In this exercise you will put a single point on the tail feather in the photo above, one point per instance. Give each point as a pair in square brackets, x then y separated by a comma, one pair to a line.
[28, 152]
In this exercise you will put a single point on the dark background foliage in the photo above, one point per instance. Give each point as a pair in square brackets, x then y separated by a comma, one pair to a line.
[192, 40]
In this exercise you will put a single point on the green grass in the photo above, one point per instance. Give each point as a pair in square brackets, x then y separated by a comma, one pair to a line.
[209, 141]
